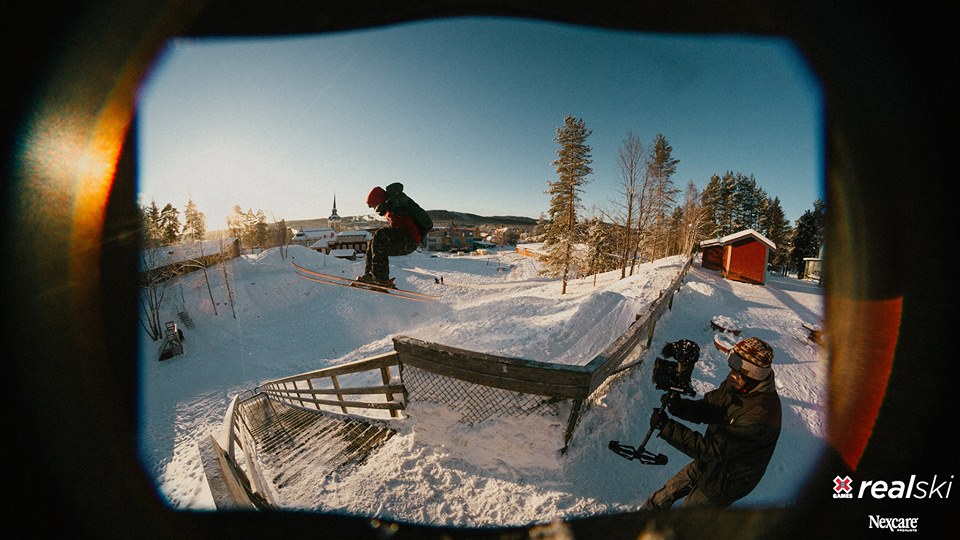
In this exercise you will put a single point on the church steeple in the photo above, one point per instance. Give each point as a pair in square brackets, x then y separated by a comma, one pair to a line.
[334, 219]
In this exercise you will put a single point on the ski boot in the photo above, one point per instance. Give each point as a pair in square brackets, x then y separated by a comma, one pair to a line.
[370, 279]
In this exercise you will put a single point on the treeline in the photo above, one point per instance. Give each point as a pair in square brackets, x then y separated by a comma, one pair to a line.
[162, 227]
[652, 218]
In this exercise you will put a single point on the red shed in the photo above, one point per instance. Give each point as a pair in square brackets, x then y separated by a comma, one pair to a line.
[744, 256]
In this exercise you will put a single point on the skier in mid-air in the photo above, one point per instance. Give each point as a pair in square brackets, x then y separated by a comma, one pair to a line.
[409, 224]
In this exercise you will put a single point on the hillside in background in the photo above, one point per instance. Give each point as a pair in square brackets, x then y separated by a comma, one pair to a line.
[440, 218]
[463, 218]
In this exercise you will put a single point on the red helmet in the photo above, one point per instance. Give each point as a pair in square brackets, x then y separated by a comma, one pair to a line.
[377, 195]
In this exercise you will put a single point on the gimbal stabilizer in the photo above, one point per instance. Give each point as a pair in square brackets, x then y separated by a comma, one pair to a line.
[645, 456]
[675, 379]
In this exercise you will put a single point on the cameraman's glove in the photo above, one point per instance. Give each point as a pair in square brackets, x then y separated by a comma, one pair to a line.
[668, 400]
[658, 419]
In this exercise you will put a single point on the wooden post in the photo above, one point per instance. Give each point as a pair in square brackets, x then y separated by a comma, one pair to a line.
[336, 385]
[385, 377]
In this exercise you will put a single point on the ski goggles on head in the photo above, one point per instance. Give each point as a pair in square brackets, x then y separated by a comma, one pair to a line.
[747, 368]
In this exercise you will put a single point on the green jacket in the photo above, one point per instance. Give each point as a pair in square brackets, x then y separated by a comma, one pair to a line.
[740, 438]
[399, 205]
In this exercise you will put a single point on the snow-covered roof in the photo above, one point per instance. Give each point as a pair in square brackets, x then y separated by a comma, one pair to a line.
[162, 256]
[356, 232]
[710, 242]
[730, 238]
[313, 233]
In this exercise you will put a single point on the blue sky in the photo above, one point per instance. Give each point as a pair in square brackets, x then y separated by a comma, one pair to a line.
[464, 113]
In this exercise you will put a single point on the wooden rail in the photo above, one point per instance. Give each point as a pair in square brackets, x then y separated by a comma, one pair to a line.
[310, 387]
[232, 487]
[517, 374]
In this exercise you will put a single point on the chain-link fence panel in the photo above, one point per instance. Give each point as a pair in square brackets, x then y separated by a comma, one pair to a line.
[476, 402]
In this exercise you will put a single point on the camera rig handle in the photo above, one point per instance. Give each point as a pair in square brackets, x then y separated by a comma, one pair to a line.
[640, 453]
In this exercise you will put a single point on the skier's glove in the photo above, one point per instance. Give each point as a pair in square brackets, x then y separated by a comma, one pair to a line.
[658, 419]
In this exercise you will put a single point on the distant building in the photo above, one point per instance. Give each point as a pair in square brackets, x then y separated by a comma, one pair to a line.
[813, 267]
[307, 237]
[533, 250]
[356, 239]
[742, 256]
[451, 238]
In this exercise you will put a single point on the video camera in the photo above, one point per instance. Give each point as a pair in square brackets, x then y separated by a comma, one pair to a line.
[675, 379]
[675, 376]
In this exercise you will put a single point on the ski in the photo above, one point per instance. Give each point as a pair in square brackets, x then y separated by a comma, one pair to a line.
[329, 279]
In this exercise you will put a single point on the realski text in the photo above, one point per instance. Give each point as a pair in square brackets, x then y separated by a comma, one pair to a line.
[878, 489]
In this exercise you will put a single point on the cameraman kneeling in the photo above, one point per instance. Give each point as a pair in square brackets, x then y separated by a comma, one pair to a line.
[743, 417]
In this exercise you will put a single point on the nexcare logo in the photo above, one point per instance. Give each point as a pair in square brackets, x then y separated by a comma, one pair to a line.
[843, 488]
[897, 524]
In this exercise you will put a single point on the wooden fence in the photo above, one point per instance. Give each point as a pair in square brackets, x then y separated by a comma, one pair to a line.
[311, 387]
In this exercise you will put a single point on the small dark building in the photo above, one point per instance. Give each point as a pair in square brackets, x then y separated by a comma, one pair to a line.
[712, 257]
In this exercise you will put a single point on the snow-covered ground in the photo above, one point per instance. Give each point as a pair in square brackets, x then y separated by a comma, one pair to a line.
[498, 472]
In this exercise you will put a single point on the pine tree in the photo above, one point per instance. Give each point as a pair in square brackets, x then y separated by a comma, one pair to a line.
[260, 228]
[235, 224]
[195, 223]
[808, 235]
[169, 225]
[728, 205]
[151, 225]
[662, 166]
[749, 197]
[600, 247]
[572, 166]
[775, 226]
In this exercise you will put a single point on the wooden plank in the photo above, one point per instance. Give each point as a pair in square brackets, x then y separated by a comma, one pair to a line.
[226, 486]
[577, 389]
[384, 389]
[374, 362]
[392, 405]
[473, 366]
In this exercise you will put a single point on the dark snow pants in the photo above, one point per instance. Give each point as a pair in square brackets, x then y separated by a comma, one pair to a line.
[387, 242]
[682, 484]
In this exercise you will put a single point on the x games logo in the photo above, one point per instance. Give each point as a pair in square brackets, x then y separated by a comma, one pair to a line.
[842, 488]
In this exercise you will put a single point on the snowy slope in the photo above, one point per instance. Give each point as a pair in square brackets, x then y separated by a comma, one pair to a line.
[497, 472]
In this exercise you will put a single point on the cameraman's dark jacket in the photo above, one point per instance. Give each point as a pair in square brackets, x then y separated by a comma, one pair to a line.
[733, 453]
